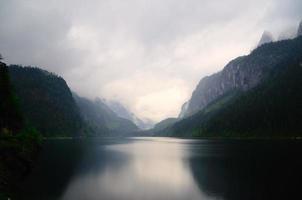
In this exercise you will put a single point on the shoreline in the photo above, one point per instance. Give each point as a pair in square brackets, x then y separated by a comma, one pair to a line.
[194, 138]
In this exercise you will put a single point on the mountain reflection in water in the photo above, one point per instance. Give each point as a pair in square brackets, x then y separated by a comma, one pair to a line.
[166, 168]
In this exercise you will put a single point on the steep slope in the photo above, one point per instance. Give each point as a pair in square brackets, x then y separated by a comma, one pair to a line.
[119, 109]
[299, 33]
[183, 110]
[11, 119]
[123, 112]
[18, 144]
[266, 37]
[164, 124]
[101, 120]
[242, 73]
[92, 116]
[272, 108]
[46, 101]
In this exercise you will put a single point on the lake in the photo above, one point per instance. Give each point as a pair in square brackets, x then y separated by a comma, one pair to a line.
[165, 169]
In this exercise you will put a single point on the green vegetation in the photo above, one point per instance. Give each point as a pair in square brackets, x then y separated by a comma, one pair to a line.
[100, 120]
[48, 105]
[18, 143]
[17, 153]
[162, 125]
[11, 119]
[46, 102]
[272, 109]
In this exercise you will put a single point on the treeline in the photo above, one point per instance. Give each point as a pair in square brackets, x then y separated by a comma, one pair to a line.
[101, 121]
[19, 142]
[36, 103]
[272, 109]
[11, 120]
[46, 101]
[48, 104]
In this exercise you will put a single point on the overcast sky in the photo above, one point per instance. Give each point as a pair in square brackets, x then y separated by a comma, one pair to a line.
[147, 54]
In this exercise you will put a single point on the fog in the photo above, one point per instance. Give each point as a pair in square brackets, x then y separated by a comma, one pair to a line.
[149, 55]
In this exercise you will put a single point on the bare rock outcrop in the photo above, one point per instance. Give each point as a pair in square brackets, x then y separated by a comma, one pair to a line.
[266, 37]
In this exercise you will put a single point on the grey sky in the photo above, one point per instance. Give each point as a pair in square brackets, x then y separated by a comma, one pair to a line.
[147, 54]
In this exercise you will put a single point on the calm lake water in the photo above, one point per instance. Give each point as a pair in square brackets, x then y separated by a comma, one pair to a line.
[166, 169]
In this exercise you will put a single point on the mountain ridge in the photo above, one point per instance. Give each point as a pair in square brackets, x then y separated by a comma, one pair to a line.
[101, 120]
[272, 107]
[46, 101]
[124, 112]
[242, 73]
[266, 37]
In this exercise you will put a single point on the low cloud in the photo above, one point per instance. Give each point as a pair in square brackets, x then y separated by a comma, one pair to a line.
[147, 54]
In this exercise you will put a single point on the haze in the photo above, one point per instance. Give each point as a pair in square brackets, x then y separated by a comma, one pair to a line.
[148, 55]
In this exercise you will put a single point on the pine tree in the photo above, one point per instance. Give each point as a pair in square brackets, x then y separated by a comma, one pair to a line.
[10, 118]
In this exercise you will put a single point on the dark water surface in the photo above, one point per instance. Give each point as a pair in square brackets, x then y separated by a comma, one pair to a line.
[166, 169]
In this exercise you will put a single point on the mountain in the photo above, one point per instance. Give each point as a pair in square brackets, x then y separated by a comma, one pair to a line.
[299, 33]
[19, 143]
[119, 109]
[144, 124]
[164, 124]
[266, 37]
[183, 110]
[46, 101]
[101, 120]
[123, 112]
[254, 95]
[242, 73]
[48, 105]
[11, 119]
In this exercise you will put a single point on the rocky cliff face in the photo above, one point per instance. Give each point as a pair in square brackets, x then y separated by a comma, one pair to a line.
[266, 37]
[242, 73]
[183, 110]
[300, 30]
[271, 109]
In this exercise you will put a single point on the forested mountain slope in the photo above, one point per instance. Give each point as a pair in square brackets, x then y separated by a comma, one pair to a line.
[46, 101]
[101, 120]
[242, 73]
[273, 107]
[121, 111]
[11, 119]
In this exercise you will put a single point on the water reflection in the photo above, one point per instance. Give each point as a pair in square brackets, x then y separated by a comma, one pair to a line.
[153, 170]
[251, 170]
[166, 168]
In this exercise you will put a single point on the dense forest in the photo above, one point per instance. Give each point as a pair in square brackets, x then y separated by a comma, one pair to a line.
[19, 142]
[36, 103]
[272, 109]
[100, 120]
[11, 119]
[164, 124]
[49, 105]
[46, 101]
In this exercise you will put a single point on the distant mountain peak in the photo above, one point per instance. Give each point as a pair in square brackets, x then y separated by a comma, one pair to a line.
[123, 112]
[240, 74]
[234, 98]
[299, 33]
[266, 37]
